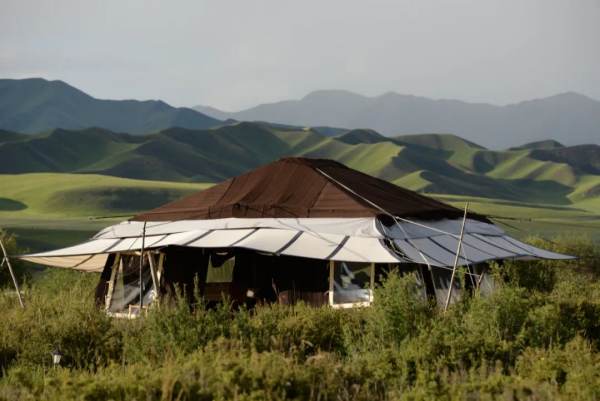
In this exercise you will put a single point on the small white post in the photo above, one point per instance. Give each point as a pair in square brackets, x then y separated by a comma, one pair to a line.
[462, 231]
[12, 273]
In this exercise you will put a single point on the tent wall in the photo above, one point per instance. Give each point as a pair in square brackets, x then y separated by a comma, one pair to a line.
[253, 277]
[184, 270]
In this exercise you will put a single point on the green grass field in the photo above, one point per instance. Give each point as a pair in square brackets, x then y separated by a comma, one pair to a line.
[49, 209]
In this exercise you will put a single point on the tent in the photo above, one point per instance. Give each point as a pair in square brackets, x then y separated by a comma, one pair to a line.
[295, 229]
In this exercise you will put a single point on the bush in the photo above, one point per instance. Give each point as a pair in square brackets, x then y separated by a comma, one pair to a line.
[574, 368]
[64, 319]
[399, 310]
[525, 341]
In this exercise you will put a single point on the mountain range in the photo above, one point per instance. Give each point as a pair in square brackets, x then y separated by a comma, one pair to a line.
[543, 173]
[36, 105]
[570, 118]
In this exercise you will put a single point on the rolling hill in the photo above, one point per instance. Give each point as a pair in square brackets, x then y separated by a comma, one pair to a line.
[36, 105]
[430, 163]
[73, 195]
[569, 118]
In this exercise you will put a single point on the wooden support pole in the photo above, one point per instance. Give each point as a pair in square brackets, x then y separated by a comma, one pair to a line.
[153, 273]
[142, 267]
[372, 282]
[331, 284]
[480, 279]
[462, 231]
[117, 268]
[12, 273]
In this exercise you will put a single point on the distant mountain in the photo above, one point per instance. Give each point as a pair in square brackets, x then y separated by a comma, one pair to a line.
[586, 158]
[430, 163]
[546, 144]
[37, 105]
[8, 136]
[569, 118]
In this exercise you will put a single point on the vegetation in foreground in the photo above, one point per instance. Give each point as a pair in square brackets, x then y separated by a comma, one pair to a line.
[536, 338]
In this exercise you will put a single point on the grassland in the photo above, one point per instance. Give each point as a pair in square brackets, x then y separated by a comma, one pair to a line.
[523, 219]
[85, 195]
[48, 209]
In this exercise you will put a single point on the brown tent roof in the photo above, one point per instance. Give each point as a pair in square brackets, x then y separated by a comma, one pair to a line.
[297, 187]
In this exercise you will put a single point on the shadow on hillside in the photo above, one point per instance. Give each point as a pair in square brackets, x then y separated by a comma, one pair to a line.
[11, 205]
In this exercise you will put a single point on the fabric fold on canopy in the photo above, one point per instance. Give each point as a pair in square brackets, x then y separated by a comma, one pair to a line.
[412, 243]
[275, 241]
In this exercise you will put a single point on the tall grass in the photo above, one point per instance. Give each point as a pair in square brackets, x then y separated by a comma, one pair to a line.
[536, 337]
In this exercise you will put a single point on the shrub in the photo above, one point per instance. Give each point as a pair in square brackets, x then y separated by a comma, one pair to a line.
[525, 341]
[575, 368]
[399, 310]
[64, 319]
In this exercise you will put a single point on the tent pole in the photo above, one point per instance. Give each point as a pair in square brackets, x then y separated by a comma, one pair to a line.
[462, 231]
[480, 279]
[12, 273]
[331, 277]
[141, 267]
[153, 273]
[372, 282]
[116, 269]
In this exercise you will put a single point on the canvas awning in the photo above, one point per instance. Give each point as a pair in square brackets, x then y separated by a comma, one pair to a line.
[309, 208]
[351, 240]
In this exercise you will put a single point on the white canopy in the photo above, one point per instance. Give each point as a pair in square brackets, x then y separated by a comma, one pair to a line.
[342, 239]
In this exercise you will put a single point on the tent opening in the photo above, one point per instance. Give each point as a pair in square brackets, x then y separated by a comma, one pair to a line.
[247, 277]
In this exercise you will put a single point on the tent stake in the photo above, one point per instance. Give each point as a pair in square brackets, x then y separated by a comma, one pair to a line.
[462, 231]
[12, 273]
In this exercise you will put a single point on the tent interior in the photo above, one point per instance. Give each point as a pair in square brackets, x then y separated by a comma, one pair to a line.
[247, 277]
[297, 229]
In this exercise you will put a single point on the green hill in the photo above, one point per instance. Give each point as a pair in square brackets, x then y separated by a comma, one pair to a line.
[37, 105]
[546, 144]
[52, 195]
[431, 163]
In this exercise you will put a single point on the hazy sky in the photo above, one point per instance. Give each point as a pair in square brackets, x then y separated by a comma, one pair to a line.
[235, 54]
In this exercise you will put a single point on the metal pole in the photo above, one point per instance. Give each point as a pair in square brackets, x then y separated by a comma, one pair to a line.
[12, 274]
[142, 266]
[462, 231]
